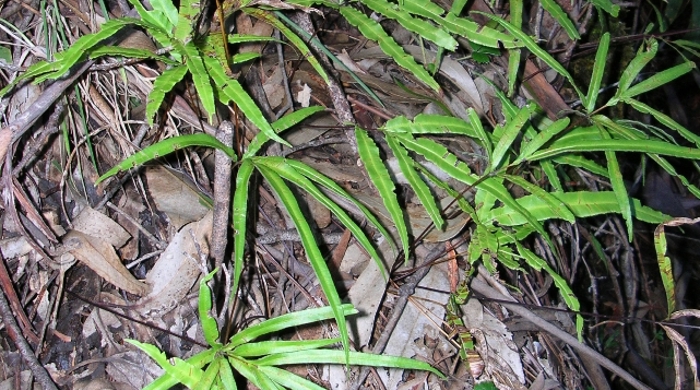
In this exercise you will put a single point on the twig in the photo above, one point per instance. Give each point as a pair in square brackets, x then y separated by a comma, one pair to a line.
[40, 373]
[24, 121]
[222, 194]
[481, 287]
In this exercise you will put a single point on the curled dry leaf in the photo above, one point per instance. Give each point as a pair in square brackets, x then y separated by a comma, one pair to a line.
[177, 268]
[101, 257]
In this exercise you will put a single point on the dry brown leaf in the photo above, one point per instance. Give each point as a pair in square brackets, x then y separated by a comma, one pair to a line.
[101, 257]
[177, 268]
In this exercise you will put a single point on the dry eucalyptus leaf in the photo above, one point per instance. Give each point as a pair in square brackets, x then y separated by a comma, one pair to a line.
[177, 268]
[101, 257]
[95, 224]
[175, 196]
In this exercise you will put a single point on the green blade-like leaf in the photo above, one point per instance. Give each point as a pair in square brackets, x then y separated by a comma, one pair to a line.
[372, 30]
[431, 124]
[426, 9]
[161, 86]
[279, 126]
[406, 163]
[558, 207]
[418, 26]
[166, 8]
[184, 372]
[618, 185]
[286, 321]
[542, 54]
[295, 40]
[558, 13]
[286, 169]
[481, 134]
[582, 203]
[448, 162]
[541, 138]
[165, 147]
[253, 374]
[228, 382]
[81, 47]
[665, 267]
[156, 19]
[240, 211]
[551, 172]
[566, 292]
[187, 14]
[639, 146]
[289, 380]
[486, 36]
[515, 55]
[166, 381]
[510, 132]
[645, 54]
[607, 6]
[665, 120]
[581, 162]
[337, 357]
[329, 184]
[231, 90]
[659, 79]
[263, 348]
[380, 177]
[313, 252]
[200, 78]
[128, 52]
[208, 378]
[597, 76]
[209, 327]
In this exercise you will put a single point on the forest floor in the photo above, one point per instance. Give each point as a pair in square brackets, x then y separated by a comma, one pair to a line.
[62, 233]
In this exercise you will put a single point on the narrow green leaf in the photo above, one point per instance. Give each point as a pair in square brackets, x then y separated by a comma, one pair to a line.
[431, 124]
[241, 58]
[329, 184]
[558, 13]
[581, 162]
[200, 78]
[531, 45]
[165, 147]
[381, 179]
[209, 327]
[279, 126]
[607, 6]
[182, 371]
[406, 163]
[253, 374]
[240, 211]
[165, 381]
[166, 8]
[263, 348]
[426, 9]
[514, 55]
[187, 14]
[598, 69]
[208, 378]
[665, 267]
[659, 79]
[582, 203]
[161, 86]
[228, 381]
[511, 131]
[481, 35]
[645, 54]
[557, 206]
[551, 172]
[372, 30]
[640, 146]
[81, 47]
[231, 90]
[618, 185]
[290, 380]
[566, 292]
[313, 253]
[286, 321]
[299, 43]
[153, 18]
[542, 138]
[337, 357]
[128, 52]
[665, 120]
[481, 135]
[286, 169]
[418, 26]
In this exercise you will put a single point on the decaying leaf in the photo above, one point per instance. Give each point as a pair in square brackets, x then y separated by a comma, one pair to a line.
[177, 268]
